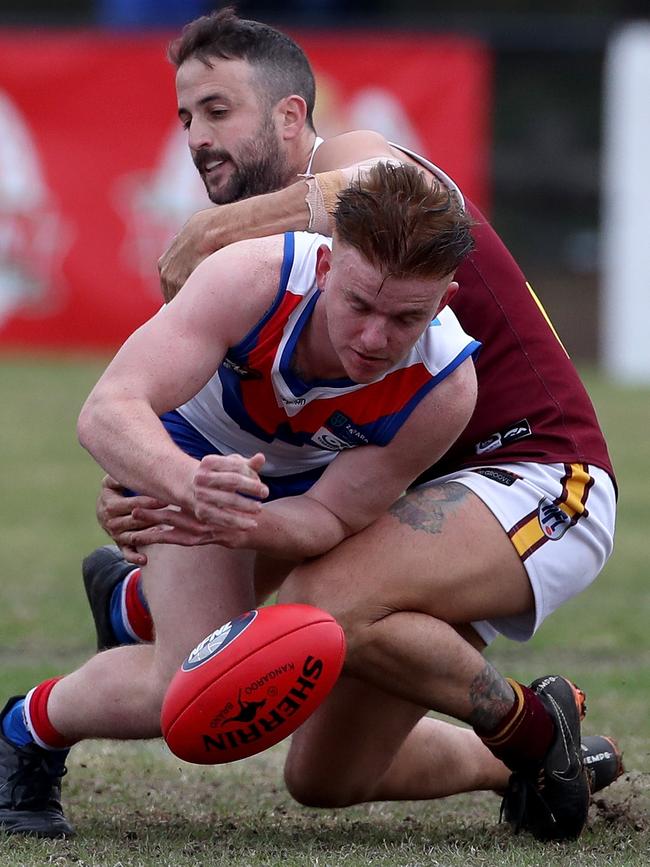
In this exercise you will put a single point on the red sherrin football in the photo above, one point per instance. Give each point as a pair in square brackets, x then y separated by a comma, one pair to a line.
[251, 683]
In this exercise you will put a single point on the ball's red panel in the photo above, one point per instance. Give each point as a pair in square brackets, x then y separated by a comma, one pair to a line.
[251, 683]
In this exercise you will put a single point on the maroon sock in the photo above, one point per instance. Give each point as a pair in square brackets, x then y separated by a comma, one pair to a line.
[524, 735]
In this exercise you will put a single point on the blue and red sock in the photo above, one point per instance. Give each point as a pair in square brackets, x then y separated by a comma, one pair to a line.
[129, 612]
[27, 721]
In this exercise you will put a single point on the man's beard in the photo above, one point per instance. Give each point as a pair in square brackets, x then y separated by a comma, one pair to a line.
[260, 167]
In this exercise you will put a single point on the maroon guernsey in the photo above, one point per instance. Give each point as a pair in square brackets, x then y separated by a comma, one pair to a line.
[531, 404]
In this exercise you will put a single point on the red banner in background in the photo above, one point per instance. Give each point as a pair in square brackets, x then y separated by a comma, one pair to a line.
[95, 177]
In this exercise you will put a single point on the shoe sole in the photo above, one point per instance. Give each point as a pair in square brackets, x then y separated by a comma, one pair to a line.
[580, 698]
[27, 827]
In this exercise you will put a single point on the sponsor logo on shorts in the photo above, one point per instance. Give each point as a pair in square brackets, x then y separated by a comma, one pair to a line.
[516, 431]
[218, 640]
[553, 521]
[503, 477]
[339, 433]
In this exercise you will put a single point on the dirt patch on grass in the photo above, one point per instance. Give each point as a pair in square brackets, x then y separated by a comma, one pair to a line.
[626, 805]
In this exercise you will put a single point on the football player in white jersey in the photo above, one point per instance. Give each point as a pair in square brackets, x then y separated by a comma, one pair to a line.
[330, 325]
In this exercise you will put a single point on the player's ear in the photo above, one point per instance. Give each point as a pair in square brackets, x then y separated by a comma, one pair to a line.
[449, 293]
[323, 265]
[293, 115]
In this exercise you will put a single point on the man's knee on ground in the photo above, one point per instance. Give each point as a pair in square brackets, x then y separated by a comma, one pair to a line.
[311, 788]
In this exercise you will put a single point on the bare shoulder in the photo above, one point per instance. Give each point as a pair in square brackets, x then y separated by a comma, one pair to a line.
[359, 146]
[233, 286]
[350, 148]
[254, 262]
[254, 256]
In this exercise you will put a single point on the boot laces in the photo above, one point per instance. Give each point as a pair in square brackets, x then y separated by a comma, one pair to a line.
[33, 779]
[521, 794]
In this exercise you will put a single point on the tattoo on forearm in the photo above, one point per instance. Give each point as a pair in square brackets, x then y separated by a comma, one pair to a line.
[426, 508]
[490, 697]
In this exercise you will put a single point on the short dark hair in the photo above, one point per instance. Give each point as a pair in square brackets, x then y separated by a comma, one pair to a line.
[281, 65]
[403, 222]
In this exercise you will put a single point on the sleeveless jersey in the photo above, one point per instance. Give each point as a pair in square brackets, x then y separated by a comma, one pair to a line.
[531, 405]
[256, 401]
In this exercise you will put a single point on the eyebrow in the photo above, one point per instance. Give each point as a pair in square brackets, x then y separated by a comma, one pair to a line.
[409, 310]
[211, 97]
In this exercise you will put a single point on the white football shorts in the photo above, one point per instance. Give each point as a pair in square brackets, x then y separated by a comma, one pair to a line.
[560, 519]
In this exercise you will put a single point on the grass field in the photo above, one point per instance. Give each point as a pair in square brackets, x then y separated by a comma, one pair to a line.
[134, 804]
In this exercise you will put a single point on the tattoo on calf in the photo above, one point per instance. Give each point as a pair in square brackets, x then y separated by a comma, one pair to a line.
[426, 508]
[491, 697]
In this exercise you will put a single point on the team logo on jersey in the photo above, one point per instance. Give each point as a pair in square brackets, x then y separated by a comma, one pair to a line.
[241, 370]
[339, 433]
[510, 434]
[218, 640]
[489, 445]
[553, 521]
[327, 440]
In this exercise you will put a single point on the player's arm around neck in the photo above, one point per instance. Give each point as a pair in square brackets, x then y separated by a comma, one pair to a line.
[167, 361]
[214, 228]
[362, 483]
[281, 211]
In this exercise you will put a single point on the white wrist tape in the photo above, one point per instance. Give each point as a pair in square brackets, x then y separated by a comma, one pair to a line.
[323, 190]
